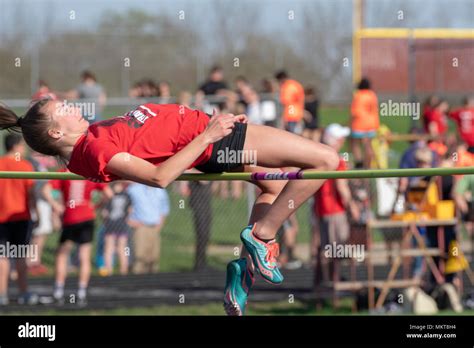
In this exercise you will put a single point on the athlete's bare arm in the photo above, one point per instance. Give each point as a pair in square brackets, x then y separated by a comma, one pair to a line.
[136, 169]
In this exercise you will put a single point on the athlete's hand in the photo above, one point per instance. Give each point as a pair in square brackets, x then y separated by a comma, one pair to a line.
[242, 118]
[219, 127]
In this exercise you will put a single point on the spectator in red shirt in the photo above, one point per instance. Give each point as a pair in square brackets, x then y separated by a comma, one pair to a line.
[464, 118]
[435, 121]
[17, 201]
[429, 105]
[334, 198]
[78, 217]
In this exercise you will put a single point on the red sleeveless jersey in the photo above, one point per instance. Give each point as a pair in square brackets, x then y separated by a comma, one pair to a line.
[152, 132]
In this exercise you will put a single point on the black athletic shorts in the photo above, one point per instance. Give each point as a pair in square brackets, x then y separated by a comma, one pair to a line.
[221, 159]
[16, 232]
[79, 233]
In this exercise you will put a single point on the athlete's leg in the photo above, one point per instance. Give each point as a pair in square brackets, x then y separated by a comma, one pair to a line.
[240, 273]
[269, 191]
[276, 148]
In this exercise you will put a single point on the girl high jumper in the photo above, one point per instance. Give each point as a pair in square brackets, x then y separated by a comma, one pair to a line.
[154, 144]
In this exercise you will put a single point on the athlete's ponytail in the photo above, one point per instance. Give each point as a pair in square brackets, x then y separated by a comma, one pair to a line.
[34, 126]
[9, 120]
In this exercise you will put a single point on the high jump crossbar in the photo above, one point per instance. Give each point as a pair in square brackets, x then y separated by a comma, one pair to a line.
[301, 175]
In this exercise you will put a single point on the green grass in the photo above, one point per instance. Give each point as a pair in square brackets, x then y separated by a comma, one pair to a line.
[263, 308]
[278, 308]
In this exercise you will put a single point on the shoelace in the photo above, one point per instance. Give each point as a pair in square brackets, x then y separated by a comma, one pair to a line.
[273, 252]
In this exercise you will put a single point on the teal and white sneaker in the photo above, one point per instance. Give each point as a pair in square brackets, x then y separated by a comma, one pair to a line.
[263, 255]
[239, 280]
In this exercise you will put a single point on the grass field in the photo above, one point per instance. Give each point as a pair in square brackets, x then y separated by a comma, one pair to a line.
[263, 308]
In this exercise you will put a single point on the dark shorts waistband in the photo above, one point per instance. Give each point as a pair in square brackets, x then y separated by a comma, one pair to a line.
[226, 152]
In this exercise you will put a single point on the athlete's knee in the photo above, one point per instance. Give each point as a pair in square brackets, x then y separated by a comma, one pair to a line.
[328, 159]
[333, 160]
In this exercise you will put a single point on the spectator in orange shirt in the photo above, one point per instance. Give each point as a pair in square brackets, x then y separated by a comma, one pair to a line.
[364, 123]
[465, 158]
[292, 99]
[17, 201]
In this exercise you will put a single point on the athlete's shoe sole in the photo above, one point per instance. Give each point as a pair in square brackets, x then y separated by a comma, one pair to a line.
[238, 283]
